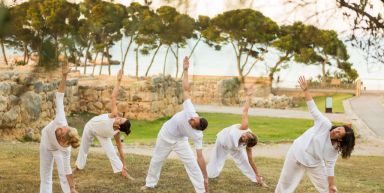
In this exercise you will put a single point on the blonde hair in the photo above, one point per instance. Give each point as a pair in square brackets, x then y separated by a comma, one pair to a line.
[72, 137]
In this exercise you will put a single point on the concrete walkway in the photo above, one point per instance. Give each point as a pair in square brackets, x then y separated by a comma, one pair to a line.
[280, 113]
[370, 110]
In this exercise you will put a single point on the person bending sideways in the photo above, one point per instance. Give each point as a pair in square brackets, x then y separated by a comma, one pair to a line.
[174, 135]
[316, 151]
[238, 141]
[105, 127]
[57, 138]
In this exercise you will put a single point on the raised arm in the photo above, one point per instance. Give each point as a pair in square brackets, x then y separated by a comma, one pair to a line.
[304, 86]
[115, 93]
[186, 88]
[244, 118]
[59, 100]
[316, 114]
[64, 71]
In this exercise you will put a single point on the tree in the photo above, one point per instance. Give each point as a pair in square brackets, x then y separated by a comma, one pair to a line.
[347, 74]
[201, 25]
[248, 31]
[22, 35]
[178, 28]
[144, 31]
[108, 26]
[367, 26]
[4, 27]
[51, 20]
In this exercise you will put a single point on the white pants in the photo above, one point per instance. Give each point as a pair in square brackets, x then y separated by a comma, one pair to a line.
[293, 172]
[218, 157]
[185, 153]
[46, 169]
[106, 144]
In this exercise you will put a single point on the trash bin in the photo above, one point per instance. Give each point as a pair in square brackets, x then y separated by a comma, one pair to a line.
[328, 104]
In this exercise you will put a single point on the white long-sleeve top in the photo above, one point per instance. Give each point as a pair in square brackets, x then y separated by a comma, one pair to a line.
[229, 137]
[102, 125]
[314, 147]
[48, 137]
[178, 127]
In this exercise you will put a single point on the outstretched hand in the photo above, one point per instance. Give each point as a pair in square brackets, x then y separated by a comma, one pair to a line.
[125, 174]
[65, 69]
[120, 75]
[186, 63]
[303, 83]
[260, 181]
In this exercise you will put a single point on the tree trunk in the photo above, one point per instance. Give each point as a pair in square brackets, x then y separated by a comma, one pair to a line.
[3, 50]
[94, 64]
[101, 63]
[109, 61]
[86, 57]
[324, 77]
[273, 70]
[241, 76]
[194, 47]
[165, 60]
[126, 52]
[40, 49]
[137, 62]
[25, 48]
[153, 59]
[177, 60]
[56, 51]
[81, 51]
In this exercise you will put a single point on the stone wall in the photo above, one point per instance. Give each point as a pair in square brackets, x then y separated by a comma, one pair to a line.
[27, 99]
[147, 99]
[27, 103]
[225, 92]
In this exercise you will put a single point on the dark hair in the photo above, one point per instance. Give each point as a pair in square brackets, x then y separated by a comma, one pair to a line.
[252, 141]
[126, 127]
[203, 124]
[347, 143]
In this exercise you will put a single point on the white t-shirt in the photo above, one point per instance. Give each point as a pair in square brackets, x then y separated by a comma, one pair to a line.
[102, 126]
[229, 137]
[48, 135]
[178, 128]
[314, 147]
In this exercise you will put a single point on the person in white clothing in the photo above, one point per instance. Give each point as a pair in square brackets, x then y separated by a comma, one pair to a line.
[105, 127]
[57, 138]
[174, 135]
[316, 151]
[238, 141]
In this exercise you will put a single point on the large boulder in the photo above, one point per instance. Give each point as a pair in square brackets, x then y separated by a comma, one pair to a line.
[31, 106]
[228, 91]
[10, 117]
[5, 88]
[3, 103]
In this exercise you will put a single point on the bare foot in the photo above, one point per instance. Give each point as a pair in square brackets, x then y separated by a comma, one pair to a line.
[146, 189]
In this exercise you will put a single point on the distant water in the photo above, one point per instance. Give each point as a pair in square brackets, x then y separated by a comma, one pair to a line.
[208, 61]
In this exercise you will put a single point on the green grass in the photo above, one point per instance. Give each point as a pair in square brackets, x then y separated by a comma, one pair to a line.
[19, 172]
[337, 102]
[269, 130]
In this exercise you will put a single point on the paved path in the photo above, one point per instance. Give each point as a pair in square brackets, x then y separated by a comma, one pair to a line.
[370, 110]
[298, 114]
[260, 150]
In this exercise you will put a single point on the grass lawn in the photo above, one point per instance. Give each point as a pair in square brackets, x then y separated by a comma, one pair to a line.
[19, 172]
[337, 102]
[268, 129]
